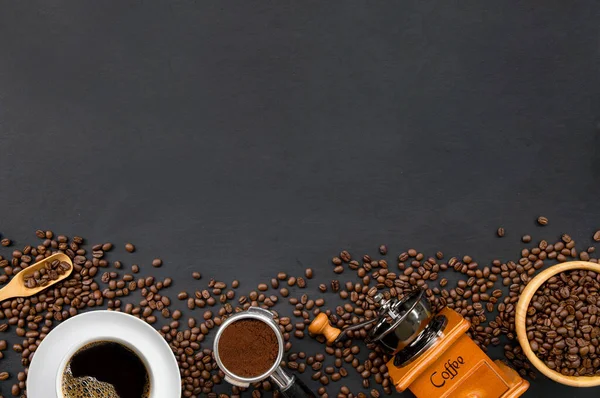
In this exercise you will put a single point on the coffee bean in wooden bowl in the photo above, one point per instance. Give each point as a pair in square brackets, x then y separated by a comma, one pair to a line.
[558, 323]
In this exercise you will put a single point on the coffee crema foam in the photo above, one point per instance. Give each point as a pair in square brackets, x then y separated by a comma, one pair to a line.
[90, 387]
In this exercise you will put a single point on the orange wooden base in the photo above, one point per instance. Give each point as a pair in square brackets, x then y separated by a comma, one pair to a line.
[456, 367]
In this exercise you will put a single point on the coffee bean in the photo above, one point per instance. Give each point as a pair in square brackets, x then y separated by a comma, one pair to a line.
[345, 256]
[597, 236]
[542, 220]
[526, 238]
[383, 250]
[157, 262]
[566, 238]
[129, 247]
[5, 242]
[500, 232]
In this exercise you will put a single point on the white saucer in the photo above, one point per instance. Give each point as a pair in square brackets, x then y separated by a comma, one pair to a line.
[77, 331]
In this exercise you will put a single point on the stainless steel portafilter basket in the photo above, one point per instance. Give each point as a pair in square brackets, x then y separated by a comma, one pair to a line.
[289, 385]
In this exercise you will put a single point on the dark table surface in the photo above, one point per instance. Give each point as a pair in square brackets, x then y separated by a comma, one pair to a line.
[241, 140]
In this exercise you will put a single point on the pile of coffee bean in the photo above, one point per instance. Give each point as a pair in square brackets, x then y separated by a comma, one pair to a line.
[563, 324]
[51, 271]
[485, 295]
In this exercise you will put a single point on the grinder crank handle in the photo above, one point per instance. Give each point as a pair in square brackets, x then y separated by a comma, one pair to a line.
[320, 325]
[290, 386]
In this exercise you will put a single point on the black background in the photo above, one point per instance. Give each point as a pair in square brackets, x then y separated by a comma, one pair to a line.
[245, 138]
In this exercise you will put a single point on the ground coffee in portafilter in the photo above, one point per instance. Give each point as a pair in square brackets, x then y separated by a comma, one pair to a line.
[105, 369]
[248, 348]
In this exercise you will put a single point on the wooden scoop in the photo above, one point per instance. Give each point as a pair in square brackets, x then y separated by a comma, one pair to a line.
[17, 288]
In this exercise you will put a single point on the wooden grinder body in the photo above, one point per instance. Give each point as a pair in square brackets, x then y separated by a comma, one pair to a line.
[456, 367]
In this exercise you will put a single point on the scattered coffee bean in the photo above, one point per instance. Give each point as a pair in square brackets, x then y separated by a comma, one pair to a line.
[157, 262]
[542, 220]
[130, 247]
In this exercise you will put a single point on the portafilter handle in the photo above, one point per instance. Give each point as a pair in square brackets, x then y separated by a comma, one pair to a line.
[290, 386]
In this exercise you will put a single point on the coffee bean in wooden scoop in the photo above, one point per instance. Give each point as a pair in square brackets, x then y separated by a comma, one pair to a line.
[38, 277]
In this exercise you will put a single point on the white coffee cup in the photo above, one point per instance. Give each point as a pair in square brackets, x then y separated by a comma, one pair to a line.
[53, 355]
[73, 350]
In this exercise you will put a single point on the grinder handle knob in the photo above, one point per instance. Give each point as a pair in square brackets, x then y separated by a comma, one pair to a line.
[320, 325]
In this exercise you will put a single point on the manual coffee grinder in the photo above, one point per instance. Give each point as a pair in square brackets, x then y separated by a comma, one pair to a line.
[431, 353]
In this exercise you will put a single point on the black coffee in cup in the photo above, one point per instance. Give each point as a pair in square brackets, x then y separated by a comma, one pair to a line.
[105, 369]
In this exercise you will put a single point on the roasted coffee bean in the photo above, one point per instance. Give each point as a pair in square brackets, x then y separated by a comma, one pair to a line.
[263, 287]
[335, 286]
[129, 247]
[500, 232]
[345, 256]
[542, 220]
[157, 262]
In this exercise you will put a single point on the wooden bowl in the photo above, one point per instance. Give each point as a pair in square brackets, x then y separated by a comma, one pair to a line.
[521, 315]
